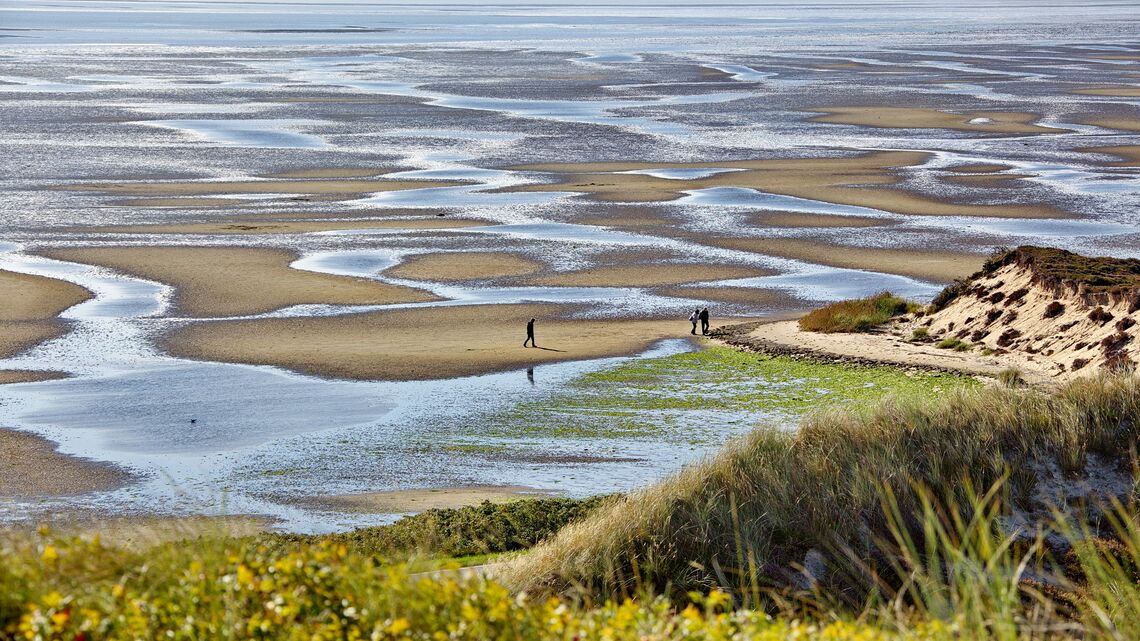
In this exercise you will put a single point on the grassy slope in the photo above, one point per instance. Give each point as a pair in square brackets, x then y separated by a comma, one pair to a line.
[860, 315]
[755, 510]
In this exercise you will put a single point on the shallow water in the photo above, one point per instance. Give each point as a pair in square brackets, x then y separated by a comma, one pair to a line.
[214, 91]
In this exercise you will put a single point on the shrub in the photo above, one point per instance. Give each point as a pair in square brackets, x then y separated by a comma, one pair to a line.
[861, 315]
[1100, 315]
[954, 343]
[920, 335]
[1007, 337]
[1054, 309]
[1011, 377]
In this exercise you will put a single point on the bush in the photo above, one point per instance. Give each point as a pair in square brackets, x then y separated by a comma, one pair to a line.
[482, 529]
[954, 343]
[861, 315]
[920, 335]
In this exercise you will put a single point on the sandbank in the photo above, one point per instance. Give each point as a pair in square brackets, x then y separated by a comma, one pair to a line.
[179, 202]
[420, 343]
[656, 275]
[33, 468]
[978, 168]
[461, 266]
[1119, 91]
[28, 376]
[934, 265]
[31, 305]
[235, 281]
[420, 500]
[821, 221]
[997, 122]
[1129, 153]
[332, 172]
[206, 188]
[283, 227]
[868, 180]
[1124, 124]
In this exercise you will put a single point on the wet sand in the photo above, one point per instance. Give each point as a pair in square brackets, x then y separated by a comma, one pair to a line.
[283, 227]
[794, 220]
[419, 500]
[178, 202]
[1124, 124]
[656, 275]
[30, 467]
[206, 188]
[751, 296]
[1130, 154]
[8, 376]
[997, 122]
[235, 281]
[868, 180]
[333, 172]
[933, 265]
[418, 344]
[978, 168]
[463, 266]
[1121, 91]
[30, 307]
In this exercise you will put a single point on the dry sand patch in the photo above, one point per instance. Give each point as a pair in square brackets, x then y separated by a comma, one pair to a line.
[868, 180]
[1123, 124]
[420, 343]
[420, 500]
[1116, 91]
[283, 227]
[655, 275]
[235, 281]
[798, 220]
[939, 266]
[33, 468]
[461, 266]
[998, 122]
[30, 305]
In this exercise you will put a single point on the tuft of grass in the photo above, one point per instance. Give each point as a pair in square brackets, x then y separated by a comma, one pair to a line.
[954, 343]
[860, 315]
[920, 335]
[1011, 377]
[768, 500]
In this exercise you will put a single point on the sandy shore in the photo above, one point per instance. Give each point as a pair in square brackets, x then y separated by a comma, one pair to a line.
[420, 500]
[418, 344]
[868, 180]
[462, 266]
[28, 376]
[29, 309]
[33, 468]
[880, 348]
[204, 188]
[235, 281]
[997, 122]
[283, 227]
[1130, 154]
[939, 266]
[658, 275]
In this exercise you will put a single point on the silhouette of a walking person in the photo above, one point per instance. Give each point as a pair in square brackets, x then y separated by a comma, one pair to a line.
[693, 318]
[530, 334]
[705, 321]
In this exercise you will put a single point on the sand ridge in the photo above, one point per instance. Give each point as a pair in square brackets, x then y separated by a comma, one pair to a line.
[463, 266]
[236, 281]
[997, 122]
[33, 468]
[8, 376]
[420, 343]
[30, 307]
[1129, 154]
[655, 275]
[867, 180]
[283, 227]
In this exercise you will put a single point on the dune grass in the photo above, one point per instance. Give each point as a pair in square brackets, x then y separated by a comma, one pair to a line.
[775, 500]
[859, 315]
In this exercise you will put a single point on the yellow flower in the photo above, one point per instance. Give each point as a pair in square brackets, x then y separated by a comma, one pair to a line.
[398, 626]
[50, 554]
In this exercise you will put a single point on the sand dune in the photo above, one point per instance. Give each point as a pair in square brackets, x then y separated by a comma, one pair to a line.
[235, 281]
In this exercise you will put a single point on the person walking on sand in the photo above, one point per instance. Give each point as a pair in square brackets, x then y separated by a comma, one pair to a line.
[704, 315]
[693, 318]
[530, 334]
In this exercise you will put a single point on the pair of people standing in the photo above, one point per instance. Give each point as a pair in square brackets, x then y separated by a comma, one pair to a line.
[701, 315]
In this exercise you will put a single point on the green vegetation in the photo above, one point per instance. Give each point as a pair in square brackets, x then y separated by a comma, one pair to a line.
[1011, 377]
[479, 530]
[693, 395]
[904, 549]
[861, 315]
[747, 516]
[954, 343]
[920, 335]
